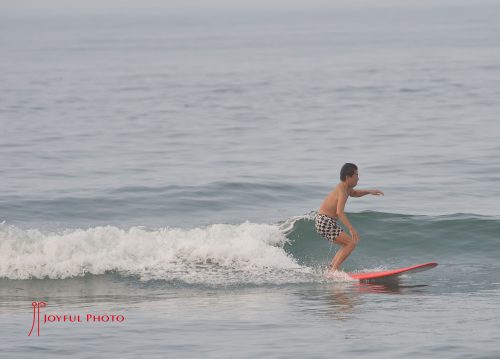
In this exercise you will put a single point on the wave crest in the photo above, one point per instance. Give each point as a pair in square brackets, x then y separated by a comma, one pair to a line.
[217, 254]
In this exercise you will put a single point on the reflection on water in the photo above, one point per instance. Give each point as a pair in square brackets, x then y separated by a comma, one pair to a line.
[334, 300]
[76, 292]
[341, 300]
[393, 286]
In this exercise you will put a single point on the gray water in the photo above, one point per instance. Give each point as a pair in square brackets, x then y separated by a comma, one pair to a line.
[164, 162]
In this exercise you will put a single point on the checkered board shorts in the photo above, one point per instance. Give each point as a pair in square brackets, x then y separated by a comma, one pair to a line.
[328, 227]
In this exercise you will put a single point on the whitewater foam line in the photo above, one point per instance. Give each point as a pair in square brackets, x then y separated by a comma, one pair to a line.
[288, 225]
[217, 254]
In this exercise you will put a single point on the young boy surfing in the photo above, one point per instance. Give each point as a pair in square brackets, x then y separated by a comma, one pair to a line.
[332, 209]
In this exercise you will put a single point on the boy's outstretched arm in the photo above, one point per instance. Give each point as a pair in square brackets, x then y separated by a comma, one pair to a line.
[364, 192]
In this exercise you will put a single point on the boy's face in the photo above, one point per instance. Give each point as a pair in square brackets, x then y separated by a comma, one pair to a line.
[353, 180]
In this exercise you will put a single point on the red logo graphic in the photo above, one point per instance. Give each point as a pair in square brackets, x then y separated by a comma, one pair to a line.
[36, 317]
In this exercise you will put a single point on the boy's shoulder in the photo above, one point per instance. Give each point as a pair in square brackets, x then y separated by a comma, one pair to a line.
[340, 191]
[337, 189]
[338, 186]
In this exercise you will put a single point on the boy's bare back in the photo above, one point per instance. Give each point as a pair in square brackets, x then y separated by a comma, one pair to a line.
[330, 203]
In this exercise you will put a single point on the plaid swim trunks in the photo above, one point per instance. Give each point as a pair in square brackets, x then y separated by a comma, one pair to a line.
[327, 227]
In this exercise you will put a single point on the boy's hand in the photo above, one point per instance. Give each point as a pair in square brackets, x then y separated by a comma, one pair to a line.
[376, 192]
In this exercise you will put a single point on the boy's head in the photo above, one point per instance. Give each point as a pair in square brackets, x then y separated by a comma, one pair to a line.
[348, 170]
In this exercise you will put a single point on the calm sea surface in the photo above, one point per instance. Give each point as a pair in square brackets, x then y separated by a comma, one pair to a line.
[163, 162]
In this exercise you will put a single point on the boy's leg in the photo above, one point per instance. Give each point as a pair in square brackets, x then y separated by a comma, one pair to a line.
[348, 245]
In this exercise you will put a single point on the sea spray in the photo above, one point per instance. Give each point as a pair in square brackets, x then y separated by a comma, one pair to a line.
[215, 255]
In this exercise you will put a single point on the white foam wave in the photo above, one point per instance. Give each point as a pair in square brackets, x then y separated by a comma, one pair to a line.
[218, 254]
[338, 276]
[288, 225]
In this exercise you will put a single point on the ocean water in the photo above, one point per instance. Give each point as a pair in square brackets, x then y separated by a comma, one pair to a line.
[162, 162]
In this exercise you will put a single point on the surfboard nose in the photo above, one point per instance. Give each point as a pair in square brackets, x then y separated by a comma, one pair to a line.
[393, 272]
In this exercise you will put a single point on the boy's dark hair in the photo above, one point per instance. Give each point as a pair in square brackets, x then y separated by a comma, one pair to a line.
[347, 170]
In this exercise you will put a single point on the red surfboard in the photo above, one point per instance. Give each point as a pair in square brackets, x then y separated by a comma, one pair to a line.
[393, 272]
